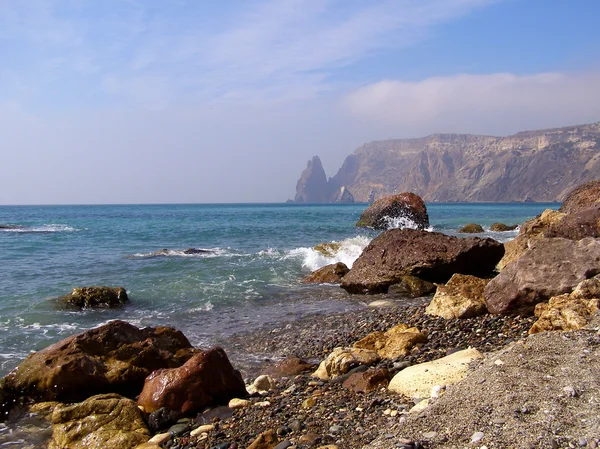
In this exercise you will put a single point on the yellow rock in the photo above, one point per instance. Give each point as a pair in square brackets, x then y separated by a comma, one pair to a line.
[237, 403]
[202, 429]
[461, 297]
[395, 342]
[563, 313]
[341, 360]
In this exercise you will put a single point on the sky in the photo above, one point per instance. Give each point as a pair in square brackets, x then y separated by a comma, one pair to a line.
[186, 101]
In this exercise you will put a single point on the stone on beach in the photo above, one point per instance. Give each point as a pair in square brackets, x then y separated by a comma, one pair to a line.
[96, 296]
[329, 274]
[405, 205]
[393, 343]
[461, 297]
[431, 256]
[290, 366]
[367, 381]
[412, 286]
[342, 360]
[206, 378]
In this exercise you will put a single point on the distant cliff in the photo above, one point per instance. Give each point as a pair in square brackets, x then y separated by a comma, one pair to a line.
[529, 166]
[313, 186]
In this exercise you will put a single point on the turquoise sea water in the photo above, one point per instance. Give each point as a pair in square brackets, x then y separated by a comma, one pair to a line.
[256, 256]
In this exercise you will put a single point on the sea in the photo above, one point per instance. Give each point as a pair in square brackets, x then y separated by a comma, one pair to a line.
[248, 274]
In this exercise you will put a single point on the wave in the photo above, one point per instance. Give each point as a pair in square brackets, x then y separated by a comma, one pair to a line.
[402, 223]
[46, 228]
[189, 252]
[345, 251]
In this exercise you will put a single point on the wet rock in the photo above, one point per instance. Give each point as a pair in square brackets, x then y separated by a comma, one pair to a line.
[461, 297]
[291, 366]
[551, 267]
[412, 286]
[115, 357]
[471, 228]
[501, 227]
[93, 297]
[328, 249]
[161, 419]
[430, 256]
[393, 343]
[563, 313]
[329, 274]
[582, 197]
[206, 378]
[368, 381]
[407, 205]
[99, 422]
[342, 360]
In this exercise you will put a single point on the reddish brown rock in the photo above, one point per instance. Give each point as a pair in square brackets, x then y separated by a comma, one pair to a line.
[582, 197]
[551, 267]
[206, 378]
[115, 357]
[405, 205]
[577, 225]
[291, 366]
[329, 274]
[266, 440]
[431, 256]
[368, 381]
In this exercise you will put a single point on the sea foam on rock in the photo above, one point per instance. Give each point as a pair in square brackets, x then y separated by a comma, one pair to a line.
[407, 205]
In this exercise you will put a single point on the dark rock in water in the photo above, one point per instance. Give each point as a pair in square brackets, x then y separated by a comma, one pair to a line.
[582, 197]
[206, 378]
[7, 226]
[116, 357]
[405, 205]
[90, 297]
[471, 228]
[549, 268]
[431, 256]
[162, 419]
[188, 251]
[329, 274]
[501, 227]
[412, 286]
[197, 251]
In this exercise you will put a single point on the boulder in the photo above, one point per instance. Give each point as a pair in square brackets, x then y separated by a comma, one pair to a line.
[291, 366]
[393, 343]
[577, 225]
[551, 267]
[404, 206]
[501, 227]
[367, 381]
[206, 378]
[563, 313]
[99, 422]
[461, 297]
[412, 286]
[417, 381]
[582, 197]
[329, 274]
[90, 297]
[342, 360]
[430, 256]
[471, 228]
[115, 357]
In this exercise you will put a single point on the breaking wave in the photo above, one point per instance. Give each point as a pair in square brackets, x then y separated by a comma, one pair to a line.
[46, 228]
[346, 251]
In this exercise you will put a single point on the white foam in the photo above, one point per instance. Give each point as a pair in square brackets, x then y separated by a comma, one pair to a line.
[402, 223]
[347, 253]
[204, 253]
[42, 229]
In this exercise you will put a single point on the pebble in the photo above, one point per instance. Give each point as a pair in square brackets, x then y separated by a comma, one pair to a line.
[430, 435]
[202, 429]
[160, 438]
[284, 444]
[477, 436]
[262, 404]
[335, 429]
[237, 403]
[309, 402]
[571, 391]
[179, 429]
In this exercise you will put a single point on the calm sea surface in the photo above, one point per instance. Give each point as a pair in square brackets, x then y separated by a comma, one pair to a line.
[249, 275]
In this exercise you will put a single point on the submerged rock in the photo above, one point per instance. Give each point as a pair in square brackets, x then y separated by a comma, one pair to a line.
[501, 227]
[405, 205]
[471, 228]
[329, 274]
[91, 297]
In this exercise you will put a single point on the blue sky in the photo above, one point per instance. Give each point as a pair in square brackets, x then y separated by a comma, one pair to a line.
[199, 101]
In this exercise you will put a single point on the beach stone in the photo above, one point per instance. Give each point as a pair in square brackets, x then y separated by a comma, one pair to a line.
[381, 303]
[284, 444]
[266, 440]
[162, 419]
[291, 366]
[563, 313]
[115, 357]
[264, 382]
[206, 378]
[160, 438]
[551, 267]
[412, 286]
[237, 403]
[202, 429]
[461, 297]
[582, 197]
[329, 274]
[501, 227]
[367, 381]
[431, 256]
[99, 422]
[420, 406]
[342, 360]
[395, 342]
[95, 296]
[148, 445]
[405, 205]
[471, 228]
[417, 381]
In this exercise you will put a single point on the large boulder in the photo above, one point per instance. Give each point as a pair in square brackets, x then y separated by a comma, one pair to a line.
[96, 296]
[551, 267]
[115, 357]
[582, 197]
[102, 421]
[342, 360]
[206, 378]
[329, 274]
[395, 342]
[404, 206]
[430, 256]
[577, 225]
[461, 297]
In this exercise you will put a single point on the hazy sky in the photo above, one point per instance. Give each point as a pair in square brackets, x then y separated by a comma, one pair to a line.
[151, 101]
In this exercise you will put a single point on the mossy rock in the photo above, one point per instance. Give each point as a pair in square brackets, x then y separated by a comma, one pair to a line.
[501, 227]
[91, 297]
[471, 228]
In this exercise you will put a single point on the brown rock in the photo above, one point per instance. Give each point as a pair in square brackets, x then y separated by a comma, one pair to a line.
[588, 289]
[115, 357]
[582, 197]
[329, 274]
[206, 378]
[501, 227]
[342, 360]
[563, 313]
[405, 205]
[412, 286]
[368, 381]
[549, 268]
[577, 225]
[393, 343]
[90, 297]
[461, 297]
[102, 421]
[266, 440]
[471, 228]
[291, 366]
[431, 256]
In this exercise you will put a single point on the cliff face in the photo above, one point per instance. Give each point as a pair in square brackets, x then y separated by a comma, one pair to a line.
[529, 166]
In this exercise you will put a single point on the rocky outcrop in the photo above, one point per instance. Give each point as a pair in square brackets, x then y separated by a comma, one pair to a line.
[115, 357]
[99, 422]
[539, 165]
[393, 343]
[342, 360]
[563, 313]
[92, 297]
[431, 256]
[402, 210]
[313, 186]
[461, 297]
[550, 267]
[206, 378]
[582, 197]
[329, 274]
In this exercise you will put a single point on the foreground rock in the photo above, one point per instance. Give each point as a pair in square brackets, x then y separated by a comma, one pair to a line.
[404, 206]
[91, 297]
[551, 267]
[582, 197]
[461, 297]
[103, 421]
[329, 274]
[412, 286]
[393, 343]
[115, 357]
[342, 360]
[206, 378]
[431, 256]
